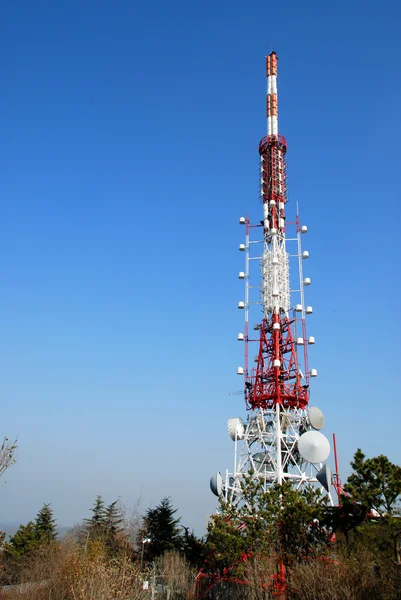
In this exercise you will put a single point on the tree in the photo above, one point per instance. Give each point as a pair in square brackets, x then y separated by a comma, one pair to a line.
[8, 454]
[375, 483]
[22, 542]
[282, 522]
[192, 547]
[16, 552]
[115, 538]
[45, 528]
[96, 525]
[103, 530]
[162, 529]
[113, 519]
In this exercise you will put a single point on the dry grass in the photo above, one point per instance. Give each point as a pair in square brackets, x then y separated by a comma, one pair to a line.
[176, 574]
[355, 577]
[66, 572]
[260, 574]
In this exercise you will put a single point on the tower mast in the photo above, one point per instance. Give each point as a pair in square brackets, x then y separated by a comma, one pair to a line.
[280, 439]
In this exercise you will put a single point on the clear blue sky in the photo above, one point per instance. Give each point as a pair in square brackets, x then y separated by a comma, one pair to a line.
[128, 152]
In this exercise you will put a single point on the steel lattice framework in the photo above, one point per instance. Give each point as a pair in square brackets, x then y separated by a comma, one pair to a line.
[276, 388]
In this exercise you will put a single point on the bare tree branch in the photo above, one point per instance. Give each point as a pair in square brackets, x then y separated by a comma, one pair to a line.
[8, 454]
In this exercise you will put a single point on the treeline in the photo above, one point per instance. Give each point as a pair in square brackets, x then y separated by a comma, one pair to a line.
[109, 537]
[284, 543]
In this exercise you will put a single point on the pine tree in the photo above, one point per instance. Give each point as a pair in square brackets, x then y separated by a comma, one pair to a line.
[22, 542]
[113, 519]
[97, 524]
[45, 528]
[375, 482]
[16, 551]
[193, 548]
[285, 522]
[113, 539]
[162, 529]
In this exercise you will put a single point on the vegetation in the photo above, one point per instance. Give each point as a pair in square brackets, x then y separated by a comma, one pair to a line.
[45, 525]
[375, 483]
[292, 540]
[283, 522]
[161, 529]
[284, 544]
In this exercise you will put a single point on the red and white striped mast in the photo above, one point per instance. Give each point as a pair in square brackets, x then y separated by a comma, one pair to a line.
[280, 439]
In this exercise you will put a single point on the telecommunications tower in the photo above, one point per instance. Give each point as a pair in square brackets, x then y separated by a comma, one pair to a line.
[280, 439]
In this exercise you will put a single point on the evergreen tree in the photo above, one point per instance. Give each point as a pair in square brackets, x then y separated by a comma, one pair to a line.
[285, 522]
[105, 527]
[375, 482]
[29, 538]
[193, 548]
[162, 529]
[114, 539]
[45, 528]
[97, 524]
[22, 542]
[113, 519]
[17, 551]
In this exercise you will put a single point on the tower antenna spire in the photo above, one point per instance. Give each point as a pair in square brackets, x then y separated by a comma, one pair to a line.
[272, 98]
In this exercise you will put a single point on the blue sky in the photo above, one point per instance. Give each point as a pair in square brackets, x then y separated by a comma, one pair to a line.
[129, 150]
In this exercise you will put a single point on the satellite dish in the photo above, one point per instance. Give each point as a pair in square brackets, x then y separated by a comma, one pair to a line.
[216, 484]
[315, 417]
[314, 447]
[324, 477]
[236, 428]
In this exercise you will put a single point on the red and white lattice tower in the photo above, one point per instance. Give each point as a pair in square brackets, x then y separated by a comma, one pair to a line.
[280, 439]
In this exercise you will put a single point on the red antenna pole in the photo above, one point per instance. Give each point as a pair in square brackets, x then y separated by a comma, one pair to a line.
[337, 474]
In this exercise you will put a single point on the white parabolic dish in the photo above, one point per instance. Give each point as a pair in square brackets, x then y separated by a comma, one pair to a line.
[236, 428]
[216, 484]
[315, 417]
[314, 447]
